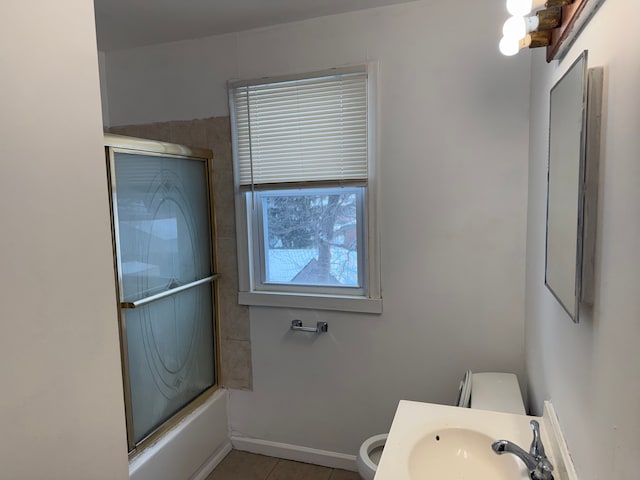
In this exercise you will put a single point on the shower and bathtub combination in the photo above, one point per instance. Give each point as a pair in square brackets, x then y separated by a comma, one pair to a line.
[164, 257]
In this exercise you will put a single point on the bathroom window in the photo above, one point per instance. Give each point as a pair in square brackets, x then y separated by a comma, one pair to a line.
[305, 190]
[161, 219]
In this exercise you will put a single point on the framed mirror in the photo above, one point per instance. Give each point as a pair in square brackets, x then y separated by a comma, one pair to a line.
[566, 193]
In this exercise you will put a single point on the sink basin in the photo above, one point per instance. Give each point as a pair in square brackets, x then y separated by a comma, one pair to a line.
[429, 442]
[458, 453]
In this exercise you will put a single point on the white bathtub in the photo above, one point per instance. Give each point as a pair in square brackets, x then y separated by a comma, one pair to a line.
[192, 449]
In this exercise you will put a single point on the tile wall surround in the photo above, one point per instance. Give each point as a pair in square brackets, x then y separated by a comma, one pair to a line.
[215, 134]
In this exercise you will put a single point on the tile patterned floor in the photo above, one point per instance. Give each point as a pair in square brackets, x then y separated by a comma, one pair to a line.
[249, 466]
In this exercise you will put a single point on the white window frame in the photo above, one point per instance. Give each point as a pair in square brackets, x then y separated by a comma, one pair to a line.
[259, 261]
[251, 290]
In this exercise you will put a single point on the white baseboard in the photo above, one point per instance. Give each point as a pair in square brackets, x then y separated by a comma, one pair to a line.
[212, 462]
[295, 452]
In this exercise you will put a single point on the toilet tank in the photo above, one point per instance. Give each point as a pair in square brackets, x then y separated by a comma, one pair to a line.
[499, 392]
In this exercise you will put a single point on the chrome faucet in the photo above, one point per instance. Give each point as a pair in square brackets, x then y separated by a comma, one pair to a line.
[536, 460]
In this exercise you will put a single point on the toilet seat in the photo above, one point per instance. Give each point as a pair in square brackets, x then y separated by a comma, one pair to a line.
[366, 466]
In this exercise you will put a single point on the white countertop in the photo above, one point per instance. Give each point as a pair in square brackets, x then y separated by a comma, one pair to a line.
[416, 425]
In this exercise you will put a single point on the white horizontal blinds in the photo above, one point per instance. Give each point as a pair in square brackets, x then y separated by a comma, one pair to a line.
[310, 130]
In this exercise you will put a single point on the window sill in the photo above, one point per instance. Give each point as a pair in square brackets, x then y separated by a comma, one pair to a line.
[315, 302]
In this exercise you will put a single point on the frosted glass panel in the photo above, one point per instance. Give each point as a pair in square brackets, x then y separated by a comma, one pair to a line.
[164, 242]
[170, 346]
[163, 222]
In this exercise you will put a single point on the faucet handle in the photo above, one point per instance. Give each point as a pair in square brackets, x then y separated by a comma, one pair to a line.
[537, 448]
[536, 461]
[543, 470]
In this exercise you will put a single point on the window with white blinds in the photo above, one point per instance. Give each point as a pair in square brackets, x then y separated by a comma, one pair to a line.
[306, 215]
[299, 131]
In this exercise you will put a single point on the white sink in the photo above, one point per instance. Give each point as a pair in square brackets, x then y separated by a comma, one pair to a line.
[429, 441]
[459, 453]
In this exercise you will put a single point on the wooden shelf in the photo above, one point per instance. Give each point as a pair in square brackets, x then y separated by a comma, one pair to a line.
[574, 18]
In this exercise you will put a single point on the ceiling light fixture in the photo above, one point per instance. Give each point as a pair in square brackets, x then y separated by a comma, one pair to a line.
[520, 8]
[510, 46]
[518, 27]
[522, 31]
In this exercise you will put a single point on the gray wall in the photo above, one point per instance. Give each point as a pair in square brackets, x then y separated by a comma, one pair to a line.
[588, 370]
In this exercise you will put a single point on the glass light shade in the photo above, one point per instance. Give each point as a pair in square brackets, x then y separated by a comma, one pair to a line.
[519, 8]
[515, 28]
[509, 46]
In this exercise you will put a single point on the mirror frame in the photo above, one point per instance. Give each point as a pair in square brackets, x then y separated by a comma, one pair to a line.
[572, 310]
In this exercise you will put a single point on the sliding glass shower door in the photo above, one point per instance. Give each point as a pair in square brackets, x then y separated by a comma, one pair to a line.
[164, 260]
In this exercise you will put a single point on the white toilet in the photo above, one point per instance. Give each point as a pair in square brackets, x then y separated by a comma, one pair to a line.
[499, 392]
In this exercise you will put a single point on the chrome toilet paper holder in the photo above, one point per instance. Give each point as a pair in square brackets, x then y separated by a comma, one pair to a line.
[321, 327]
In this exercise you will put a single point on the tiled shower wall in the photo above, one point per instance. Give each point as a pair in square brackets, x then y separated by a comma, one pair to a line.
[215, 134]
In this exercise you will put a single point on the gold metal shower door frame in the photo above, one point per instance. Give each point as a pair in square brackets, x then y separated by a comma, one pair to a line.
[123, 144]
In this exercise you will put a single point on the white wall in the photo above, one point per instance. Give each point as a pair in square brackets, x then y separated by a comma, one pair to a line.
[61, 408]
[175, 81]
[588, 370]
[453, 138]
[104, 97]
